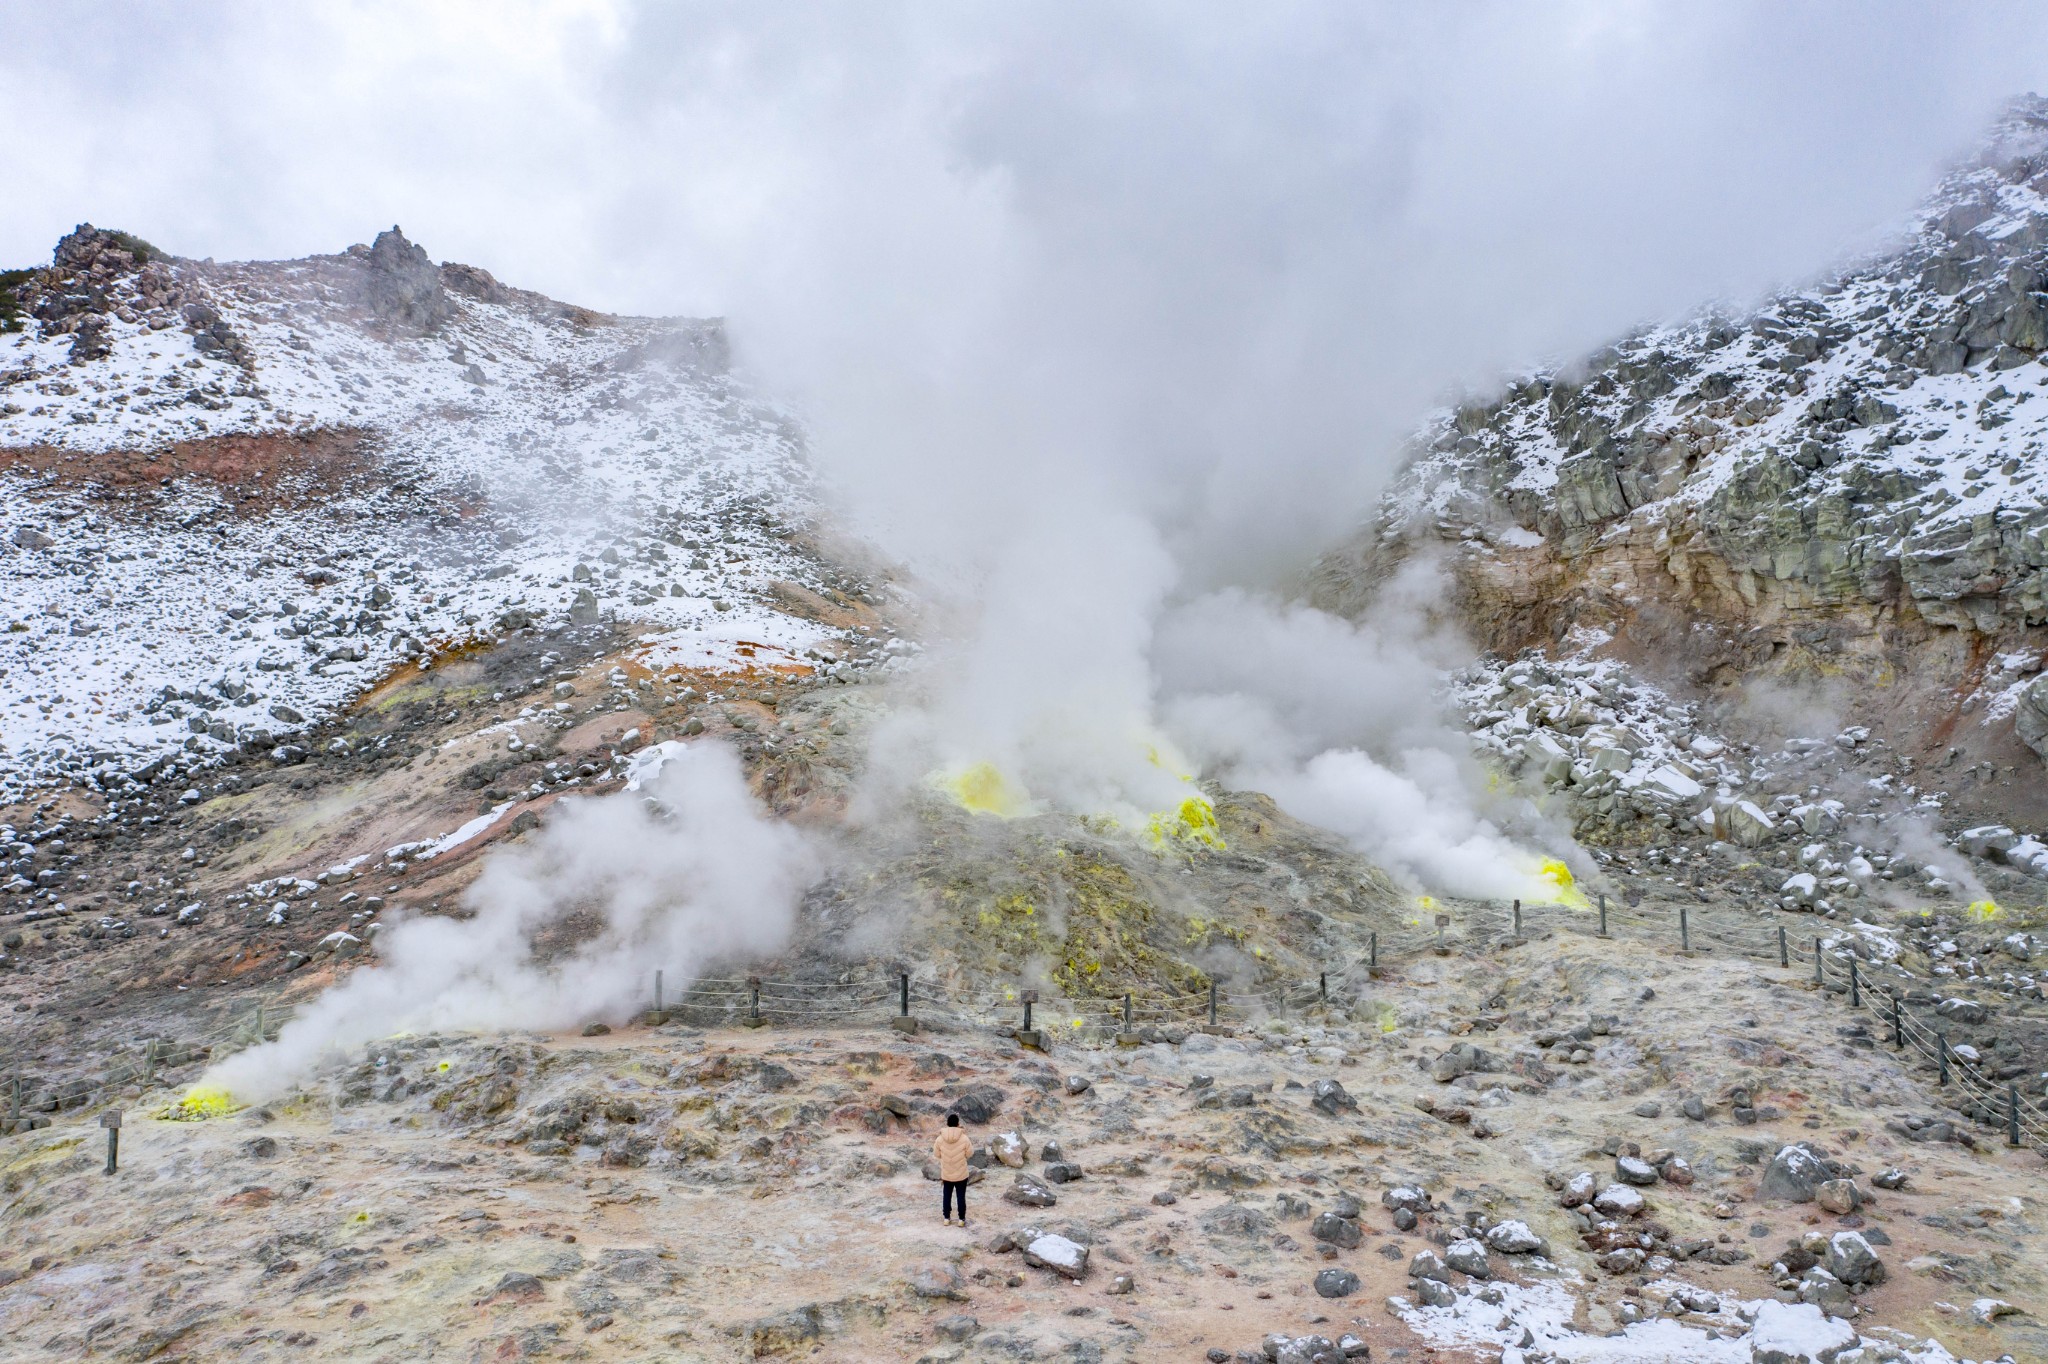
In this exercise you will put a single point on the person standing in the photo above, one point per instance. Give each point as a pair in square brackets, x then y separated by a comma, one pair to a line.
[952, 1149]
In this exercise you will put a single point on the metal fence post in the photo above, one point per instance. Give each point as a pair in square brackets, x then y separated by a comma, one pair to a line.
[903, 1022]
[1855, 988]
[1212, 1003]
[111, 1120]
[1898, 1024]
[754, 1007]
[1784, 949]
[1518, 919]
[1030, 998]
[1603, 914]
[1684, 930]
[1323, 988]
[2012, 1115]
[1941, 1052]
[1817, 978]
[1372, 960]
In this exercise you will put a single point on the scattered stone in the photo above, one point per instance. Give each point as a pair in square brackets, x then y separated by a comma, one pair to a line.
[1619, 1200]
[1058, 1254]
[1850, 1259]
[1635, 1170]
[1838, 1196]
[1336, 1283]
[1338, 1231]
[1329, 1096]
[1793, 1175]
[936, 1281]
[1789, 1333]
[1029, 1191]
[958, 1327]
[1435, 1293]
[1429, 1265]
[1515, 1238]
[1469, 1257]
[1578, 1190]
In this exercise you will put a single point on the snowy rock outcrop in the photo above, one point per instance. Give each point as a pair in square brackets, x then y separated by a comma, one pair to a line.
[1849, 483]
[235, 495]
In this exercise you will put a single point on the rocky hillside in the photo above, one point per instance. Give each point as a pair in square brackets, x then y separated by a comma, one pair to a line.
[1845, 489]
[233, 497]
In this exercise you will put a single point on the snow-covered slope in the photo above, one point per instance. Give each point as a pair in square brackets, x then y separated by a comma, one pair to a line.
[233, 496]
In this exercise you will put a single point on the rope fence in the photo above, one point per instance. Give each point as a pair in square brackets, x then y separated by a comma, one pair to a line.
[1875, 988]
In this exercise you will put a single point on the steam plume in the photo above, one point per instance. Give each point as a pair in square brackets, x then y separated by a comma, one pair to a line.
[695, 875]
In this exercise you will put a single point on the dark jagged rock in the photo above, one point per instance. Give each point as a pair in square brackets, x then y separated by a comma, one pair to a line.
[404, 288]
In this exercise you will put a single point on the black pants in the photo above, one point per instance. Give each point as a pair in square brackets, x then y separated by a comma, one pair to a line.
[950, 1189]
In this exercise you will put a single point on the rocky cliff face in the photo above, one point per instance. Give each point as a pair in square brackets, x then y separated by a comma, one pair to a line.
[1846, 486]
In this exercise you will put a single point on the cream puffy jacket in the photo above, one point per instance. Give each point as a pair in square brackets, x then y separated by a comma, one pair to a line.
[952, 1148]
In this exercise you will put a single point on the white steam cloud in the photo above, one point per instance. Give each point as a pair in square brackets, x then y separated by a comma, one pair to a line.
[680, 875]
[1337, 721]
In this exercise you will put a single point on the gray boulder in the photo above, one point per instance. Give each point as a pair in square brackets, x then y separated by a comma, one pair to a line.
[1469, 1257]
[1029, 1191]
[1794, 1175]
[2030, 716]
[1328, 1096]
[1514, 1238]
[1635, 1170]
[1435, 1293]
[1429, 1265]
[1059, 1255]
[1338, 1231]
[403, 288]
[1851, 1259]
[1798, 1333]
[1336, 1283]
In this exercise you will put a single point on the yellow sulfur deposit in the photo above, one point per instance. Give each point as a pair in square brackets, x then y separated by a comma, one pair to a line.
[1983, 911]
[984, 789]
[1193, 823]
[201, 1102]
[1564, 890]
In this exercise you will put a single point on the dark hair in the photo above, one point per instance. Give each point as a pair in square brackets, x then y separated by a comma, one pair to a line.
[952, 1120]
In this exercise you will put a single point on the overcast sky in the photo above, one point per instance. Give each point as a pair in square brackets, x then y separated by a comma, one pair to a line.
[1200, 254]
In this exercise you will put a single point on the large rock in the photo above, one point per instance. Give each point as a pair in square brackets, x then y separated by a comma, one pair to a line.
[404, 286]
[1338, 1231]
[1798, 1333]
[2030, 716]
[1794, 1175]
[1029, 1191]
[1336, 1283]
[1469, 1257]
[1851, 1259]
[1328, 1096]
[1514, 1238]
[1427, 1264]
[1463, 1059]
[1747, 825]
[1058, 1254]
[1619, 1200]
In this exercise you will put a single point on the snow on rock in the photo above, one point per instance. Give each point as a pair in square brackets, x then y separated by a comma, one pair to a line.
[262, 486]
